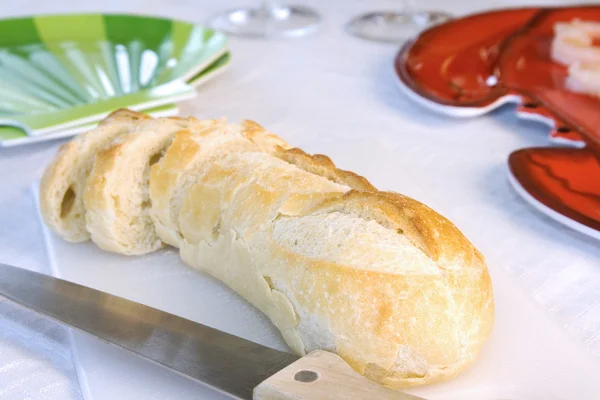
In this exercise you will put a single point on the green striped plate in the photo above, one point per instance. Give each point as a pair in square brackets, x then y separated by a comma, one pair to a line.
[12, 136]
[62, 71]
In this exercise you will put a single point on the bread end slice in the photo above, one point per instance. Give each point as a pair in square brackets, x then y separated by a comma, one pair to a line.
[63, 182]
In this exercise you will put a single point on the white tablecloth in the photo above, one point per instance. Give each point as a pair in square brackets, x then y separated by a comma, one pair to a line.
[328, 86]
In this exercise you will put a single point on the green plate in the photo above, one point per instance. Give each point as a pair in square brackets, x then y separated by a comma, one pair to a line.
[62, 71]
[12, 136]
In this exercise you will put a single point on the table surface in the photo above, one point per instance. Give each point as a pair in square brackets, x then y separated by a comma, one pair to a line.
[329, 86]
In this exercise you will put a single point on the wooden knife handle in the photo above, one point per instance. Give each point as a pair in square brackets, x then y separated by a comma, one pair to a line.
[321, 375]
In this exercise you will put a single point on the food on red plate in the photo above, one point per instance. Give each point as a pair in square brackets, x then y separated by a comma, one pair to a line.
[576, 45]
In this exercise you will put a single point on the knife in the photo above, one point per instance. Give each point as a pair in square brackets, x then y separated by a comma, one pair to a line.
[229, 364]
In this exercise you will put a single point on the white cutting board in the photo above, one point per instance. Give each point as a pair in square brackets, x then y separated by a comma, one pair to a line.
[528, 356]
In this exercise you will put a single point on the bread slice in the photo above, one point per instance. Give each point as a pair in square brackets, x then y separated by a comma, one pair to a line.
[63, 183]
[185, 159]
[380, 279]
[116, 197]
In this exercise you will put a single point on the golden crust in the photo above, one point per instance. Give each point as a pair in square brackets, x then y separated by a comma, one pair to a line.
[322, 165]
[265, 140]
[428, 230]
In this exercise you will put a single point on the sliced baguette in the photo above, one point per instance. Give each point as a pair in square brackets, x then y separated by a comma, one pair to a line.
[382, 280]
[63, 183]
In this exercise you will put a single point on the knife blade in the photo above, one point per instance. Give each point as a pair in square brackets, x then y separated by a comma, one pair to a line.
[224, 362]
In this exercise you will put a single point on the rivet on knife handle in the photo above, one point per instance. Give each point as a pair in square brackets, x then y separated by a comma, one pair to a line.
[321, 375]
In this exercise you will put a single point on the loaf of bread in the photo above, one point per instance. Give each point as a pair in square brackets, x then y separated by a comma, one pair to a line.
[382, 280]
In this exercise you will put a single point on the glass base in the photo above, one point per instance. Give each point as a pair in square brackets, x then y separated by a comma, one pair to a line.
[279, 21]
[394, 27]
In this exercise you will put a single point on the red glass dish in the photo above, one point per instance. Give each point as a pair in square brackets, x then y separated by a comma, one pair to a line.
[561, 182]
[450, 63]
[476, 61]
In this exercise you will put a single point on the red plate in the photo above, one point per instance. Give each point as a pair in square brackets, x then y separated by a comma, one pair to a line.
[450, 64]
[474, 64]
[561, 182]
